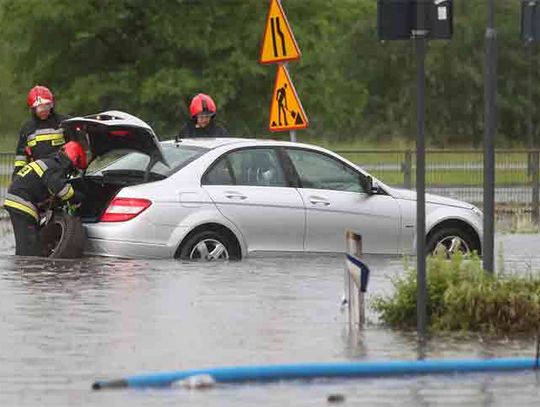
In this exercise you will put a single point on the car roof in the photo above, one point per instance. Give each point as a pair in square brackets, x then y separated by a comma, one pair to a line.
[211, 143]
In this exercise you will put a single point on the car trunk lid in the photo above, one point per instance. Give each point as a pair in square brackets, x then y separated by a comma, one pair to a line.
[115, 130]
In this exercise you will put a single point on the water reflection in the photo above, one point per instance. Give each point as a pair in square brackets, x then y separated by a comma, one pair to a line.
[65, 323]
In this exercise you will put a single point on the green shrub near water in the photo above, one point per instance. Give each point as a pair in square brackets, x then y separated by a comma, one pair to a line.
[462, 297]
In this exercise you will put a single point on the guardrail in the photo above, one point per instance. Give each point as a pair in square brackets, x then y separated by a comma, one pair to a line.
[456, 173]
[6, 169]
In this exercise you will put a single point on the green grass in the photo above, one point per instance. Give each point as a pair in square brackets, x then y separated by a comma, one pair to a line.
[454, 177]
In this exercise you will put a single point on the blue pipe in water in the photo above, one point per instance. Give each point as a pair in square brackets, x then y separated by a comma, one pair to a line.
[236, 374]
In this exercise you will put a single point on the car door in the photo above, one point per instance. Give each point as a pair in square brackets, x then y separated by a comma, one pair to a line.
[336, 201]
[249, 187]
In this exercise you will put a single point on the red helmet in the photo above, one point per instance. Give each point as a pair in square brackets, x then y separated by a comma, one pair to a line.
[40, 95]
[202, 104]
[75, 152]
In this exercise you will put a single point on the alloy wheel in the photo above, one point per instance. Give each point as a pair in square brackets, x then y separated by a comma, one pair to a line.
[450, 245]
[209, 250]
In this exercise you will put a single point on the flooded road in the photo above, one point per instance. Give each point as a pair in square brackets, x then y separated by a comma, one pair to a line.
[67, 323]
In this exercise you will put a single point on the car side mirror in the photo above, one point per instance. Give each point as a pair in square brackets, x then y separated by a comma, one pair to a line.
[367, 184]
[369, 187]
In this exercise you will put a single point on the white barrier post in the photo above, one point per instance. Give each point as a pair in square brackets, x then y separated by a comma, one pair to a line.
[356, 279]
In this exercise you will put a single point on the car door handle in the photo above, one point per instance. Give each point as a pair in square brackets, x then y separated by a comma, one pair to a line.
[235, 196]
[319, 201]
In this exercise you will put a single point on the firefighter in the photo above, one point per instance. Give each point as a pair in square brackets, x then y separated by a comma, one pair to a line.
[41, 136]
[33, 188]
[202, 124]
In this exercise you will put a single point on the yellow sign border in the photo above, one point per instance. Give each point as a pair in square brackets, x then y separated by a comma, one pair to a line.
[304, 115]
[261, 47]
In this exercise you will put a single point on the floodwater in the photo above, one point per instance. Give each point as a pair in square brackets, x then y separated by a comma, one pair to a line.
[65, 324]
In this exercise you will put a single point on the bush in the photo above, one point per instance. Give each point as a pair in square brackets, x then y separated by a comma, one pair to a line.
[462, 297]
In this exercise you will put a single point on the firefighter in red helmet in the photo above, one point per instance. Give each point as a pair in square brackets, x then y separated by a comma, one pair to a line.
[32, 189]
[202, 124]
[41, 136]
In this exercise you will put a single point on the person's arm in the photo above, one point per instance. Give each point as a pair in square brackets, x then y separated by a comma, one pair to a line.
[58, 185]
[20, 157]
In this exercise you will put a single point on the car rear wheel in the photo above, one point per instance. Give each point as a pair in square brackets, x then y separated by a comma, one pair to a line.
[448, 241]
[63, 237]
[208, 246]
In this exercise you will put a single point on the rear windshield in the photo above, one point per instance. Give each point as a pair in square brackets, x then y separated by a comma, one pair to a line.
[121, 162]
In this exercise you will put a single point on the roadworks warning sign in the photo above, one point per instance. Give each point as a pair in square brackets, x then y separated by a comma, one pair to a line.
[278, 44]
[286, 111]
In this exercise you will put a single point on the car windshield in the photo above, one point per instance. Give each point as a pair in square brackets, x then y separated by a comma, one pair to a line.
[135, 163]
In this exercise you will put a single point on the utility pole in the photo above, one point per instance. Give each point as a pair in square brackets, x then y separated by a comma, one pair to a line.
[490, 128]
[419, 36]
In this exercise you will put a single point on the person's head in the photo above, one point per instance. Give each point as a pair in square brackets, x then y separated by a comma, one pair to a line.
[41, 101]
[76, 154]
[202, 109]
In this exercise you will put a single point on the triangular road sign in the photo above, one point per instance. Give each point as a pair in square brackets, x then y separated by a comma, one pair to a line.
[278, 42]
[286, 111]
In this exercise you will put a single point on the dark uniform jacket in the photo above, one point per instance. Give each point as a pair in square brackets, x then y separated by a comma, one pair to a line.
[39, 139]
[37, 182]
[213, 129]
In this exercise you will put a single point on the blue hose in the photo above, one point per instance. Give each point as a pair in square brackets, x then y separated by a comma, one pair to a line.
[236, 374]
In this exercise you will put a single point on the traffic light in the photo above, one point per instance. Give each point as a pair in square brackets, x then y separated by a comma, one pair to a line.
[530, 20]
[399, 19]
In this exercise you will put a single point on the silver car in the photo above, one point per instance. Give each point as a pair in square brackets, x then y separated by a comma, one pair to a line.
[225, 198]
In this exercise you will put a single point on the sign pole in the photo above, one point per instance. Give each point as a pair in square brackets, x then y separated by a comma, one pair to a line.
[490, 126]
[293, 135]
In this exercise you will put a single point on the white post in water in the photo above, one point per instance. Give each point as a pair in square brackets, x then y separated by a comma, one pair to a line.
[356, 279]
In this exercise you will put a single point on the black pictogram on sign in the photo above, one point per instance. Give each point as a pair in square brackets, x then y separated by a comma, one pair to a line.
[286, 111]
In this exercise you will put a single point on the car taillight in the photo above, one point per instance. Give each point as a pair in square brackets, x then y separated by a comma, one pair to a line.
[122, 209]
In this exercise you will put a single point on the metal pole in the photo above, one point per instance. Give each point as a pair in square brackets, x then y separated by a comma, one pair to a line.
[536, 186]
[490, 126]
[293, 135]
[529, 93]
[530, 132]
[407, 168]
[420, 45]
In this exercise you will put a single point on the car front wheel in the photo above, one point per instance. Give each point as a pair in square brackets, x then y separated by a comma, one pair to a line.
[208, 246]
[448, 241]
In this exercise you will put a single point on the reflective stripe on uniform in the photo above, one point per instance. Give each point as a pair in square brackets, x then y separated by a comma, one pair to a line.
[16, 202]
[44, 132]
[38, 169]
[20, 160]
[54, 138]
[66, 193]
[42, 165]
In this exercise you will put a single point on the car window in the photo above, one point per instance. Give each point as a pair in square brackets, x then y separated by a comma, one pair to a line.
[319, 171]
[177, 156]
[257, 167]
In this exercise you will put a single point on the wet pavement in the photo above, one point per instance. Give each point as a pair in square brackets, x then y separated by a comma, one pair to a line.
[67, 323]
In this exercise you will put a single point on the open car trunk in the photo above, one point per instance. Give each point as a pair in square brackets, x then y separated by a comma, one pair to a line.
[105, 133]
[97, 194]
[63, 236]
